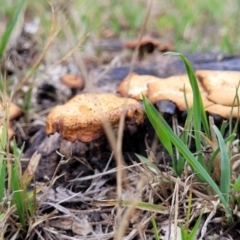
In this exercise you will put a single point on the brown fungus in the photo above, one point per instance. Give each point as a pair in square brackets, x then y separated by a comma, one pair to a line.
[173, 89]
[14, 111]
[81, 118]
[135, 85]
[222, 89]
[72, 81]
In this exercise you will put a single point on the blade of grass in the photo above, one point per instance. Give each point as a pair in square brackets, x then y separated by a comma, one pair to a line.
[198, 109]
[230, 138]
[18, 197]
[236, 185]
[186, 134]
[155, 229]
[192, 235]
[164, 138]
[223, 127]
[3, 164]
[160, 125]
[3, 170]
[225, 180]
[9, 29]
[126, 203]
[235, 101]
[149, 164]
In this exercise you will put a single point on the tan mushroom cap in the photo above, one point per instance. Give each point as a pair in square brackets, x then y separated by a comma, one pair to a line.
[173, 89]
[81, 119]
[135, 85]
[10, 130]
[212, 80]
[132, 44]
[14, 110]
[72, 81]
[221, 86]
[224, 96]
[223, 111]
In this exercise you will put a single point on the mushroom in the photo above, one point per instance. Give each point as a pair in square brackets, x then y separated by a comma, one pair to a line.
[173, 89]
[135, 85]
[224, 96]
[74, 82]
[14, 110]
[81, 118]
[221, 86]
[14, 113]
[212, 80]
[224, 111]
[146, 45]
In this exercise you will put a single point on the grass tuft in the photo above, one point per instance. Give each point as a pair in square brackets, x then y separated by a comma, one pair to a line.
[6, 36]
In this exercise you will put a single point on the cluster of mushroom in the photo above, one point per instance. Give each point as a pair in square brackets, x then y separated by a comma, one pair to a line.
[82, 118]
[217, 88]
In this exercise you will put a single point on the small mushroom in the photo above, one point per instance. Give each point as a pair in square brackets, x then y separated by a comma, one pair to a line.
[74, 82]
[14, 111]
[135, 85]
[144, 42]
[173, 89]
[146, 45]
[81, 118]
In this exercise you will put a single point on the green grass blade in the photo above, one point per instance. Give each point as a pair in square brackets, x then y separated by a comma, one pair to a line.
[198, 104]
[162, 135]
[199, 113]
[213, 157]
[126, 203]
[225, 180]
[10, 27]
[3, 138]
[230, 139]
[3, 164]
[145, 206]
[3, 170]
[192, 235]
[186, 134]
[223, 127]
[149, 164]
[155, 229]
[235, 101]
[236, 185]
[18, 196]
[182, 148]
[184, 233]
